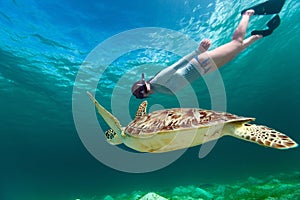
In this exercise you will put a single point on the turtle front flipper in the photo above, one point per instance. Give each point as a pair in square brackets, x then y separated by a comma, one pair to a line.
[111, 120]
[263, 135]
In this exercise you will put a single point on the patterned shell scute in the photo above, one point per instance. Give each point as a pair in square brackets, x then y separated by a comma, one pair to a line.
[178, 119]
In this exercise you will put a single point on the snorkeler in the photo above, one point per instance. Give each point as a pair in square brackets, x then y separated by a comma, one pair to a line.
[202, 60]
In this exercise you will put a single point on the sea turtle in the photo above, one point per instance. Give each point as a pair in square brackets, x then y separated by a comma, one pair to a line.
[177, 128]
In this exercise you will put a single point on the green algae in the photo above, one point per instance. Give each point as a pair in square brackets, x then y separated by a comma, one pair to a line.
[276, 187]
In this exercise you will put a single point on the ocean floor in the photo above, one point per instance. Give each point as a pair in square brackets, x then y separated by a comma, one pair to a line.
[277, 187]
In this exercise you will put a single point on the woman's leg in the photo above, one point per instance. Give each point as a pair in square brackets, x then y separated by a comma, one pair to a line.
[239, 33]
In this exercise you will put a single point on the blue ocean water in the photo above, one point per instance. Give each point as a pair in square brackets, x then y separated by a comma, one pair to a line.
[43, 44]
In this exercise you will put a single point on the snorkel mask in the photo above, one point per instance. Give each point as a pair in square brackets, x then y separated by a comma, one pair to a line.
[139, 88]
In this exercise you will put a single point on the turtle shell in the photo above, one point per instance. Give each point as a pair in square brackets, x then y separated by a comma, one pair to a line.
[177, 119]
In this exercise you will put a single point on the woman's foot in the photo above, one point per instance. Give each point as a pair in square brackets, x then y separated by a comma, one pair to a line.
[250, 40]
[256, 37]
[204, 45]
[249, 12]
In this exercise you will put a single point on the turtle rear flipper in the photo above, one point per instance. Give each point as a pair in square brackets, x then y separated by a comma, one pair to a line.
[264, 136]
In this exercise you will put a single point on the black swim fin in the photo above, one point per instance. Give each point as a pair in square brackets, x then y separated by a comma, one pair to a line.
[272, 24]
[267, 8]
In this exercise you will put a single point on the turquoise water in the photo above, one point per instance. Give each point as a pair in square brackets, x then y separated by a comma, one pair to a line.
[43, 45]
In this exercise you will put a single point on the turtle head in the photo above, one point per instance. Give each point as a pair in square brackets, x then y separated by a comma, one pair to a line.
[112, 137]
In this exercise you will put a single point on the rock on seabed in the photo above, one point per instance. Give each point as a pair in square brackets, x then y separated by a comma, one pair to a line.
[152, 196]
